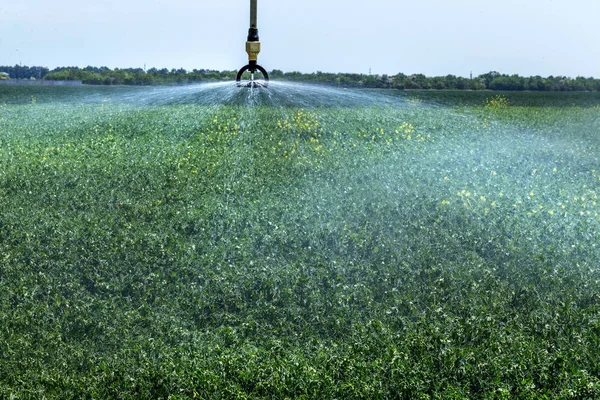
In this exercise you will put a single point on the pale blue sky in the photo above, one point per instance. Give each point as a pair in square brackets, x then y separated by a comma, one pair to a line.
[434, 37]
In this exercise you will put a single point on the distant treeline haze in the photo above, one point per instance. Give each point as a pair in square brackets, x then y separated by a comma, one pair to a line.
[137, 76]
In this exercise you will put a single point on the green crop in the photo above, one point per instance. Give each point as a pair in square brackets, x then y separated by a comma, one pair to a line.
[437, 247]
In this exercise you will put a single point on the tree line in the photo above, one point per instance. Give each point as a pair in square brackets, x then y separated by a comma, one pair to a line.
[24, 72]
[153, 76]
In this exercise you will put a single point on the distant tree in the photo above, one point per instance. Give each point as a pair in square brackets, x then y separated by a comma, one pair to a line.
[593, 84]
[386, 81]
[276, 74]
[398, 81]
[421, 81]
[451, 82]
[578, 84]
[438, 83]
[137, 76]
[487, 79]
[411, 84]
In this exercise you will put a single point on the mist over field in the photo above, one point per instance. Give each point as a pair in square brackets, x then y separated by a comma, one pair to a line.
[298, 241]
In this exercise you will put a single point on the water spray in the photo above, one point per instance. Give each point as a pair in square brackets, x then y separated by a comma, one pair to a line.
[253, 48]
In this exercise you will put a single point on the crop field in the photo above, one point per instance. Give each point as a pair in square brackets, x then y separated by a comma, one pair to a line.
[298, 242]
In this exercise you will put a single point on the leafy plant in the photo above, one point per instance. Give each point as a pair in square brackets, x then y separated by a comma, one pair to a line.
[427, 250]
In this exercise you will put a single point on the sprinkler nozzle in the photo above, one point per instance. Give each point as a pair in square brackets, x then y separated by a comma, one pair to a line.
[253, 48]
[252, 67]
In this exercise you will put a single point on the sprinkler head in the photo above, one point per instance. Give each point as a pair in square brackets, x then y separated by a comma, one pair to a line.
[252, 67]
[253, 48]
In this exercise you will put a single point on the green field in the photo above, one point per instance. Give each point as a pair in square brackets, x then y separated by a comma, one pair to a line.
[380, 245]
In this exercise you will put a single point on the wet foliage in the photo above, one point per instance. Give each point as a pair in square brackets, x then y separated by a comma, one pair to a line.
[422, 248]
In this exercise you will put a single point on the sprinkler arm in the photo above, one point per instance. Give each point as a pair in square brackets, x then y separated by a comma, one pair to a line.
[253, 43]
[253, 47]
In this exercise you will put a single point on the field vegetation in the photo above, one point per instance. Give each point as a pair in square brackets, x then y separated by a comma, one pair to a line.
[442, 246]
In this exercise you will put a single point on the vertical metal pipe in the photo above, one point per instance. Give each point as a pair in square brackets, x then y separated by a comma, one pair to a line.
[253, 48]
[253, 14]
[253, 31]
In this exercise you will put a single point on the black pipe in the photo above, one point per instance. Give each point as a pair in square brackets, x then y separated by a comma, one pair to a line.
[253, 35]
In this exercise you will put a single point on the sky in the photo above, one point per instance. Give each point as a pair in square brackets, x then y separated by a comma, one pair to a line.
[433, 37]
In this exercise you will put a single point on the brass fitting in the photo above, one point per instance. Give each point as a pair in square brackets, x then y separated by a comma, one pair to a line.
[252, 48]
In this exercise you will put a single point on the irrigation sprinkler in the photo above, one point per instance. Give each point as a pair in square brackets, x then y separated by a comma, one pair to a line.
[253, 48]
